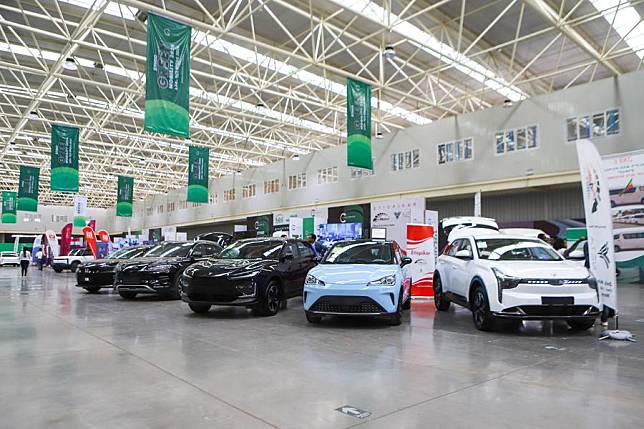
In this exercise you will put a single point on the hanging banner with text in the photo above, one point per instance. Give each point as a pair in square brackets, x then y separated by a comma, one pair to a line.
[124, 196]
[8, 207]
[28, 188]
[80, 210]
[359, 125]
[599, 224]
[198, 157]
[64, 158]
[167, 85]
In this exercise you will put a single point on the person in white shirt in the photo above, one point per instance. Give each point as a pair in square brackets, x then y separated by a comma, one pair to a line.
[39, 258]
[25, 260]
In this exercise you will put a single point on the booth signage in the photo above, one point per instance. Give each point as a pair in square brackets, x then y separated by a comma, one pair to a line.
[52, 241]
[359, 125]
[421, 249]
[66, 239]
[167, 85]
[124, 196]
[28, 188]
[80, 211]
[9, 207]
[90, 238]
[64, 158]
[198, 157]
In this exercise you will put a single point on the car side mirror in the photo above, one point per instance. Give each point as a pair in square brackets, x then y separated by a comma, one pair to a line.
[405, 261]
[464, 254]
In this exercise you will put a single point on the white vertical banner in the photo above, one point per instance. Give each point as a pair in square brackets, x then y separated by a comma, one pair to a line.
[599, 223]
[52, 240]
[477, 204]
[295, 227]
[431, 218]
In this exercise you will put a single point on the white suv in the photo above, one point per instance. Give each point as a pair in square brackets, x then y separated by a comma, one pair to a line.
[9, 258]
[72, 260]
[514, 278]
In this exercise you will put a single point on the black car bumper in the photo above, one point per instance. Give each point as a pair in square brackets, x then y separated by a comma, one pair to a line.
[549, 312]
[219, 291]
[347, 306]
[100, 279]
[61, 265]
[151, 283]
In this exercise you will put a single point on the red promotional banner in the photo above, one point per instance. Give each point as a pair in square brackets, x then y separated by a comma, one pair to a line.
[92, 224]
[66, 239]
[90, 238]
[420, 248]
[103, 236]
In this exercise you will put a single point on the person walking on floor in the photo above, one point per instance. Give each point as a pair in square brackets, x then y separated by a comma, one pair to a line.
[40, 258]
[25, 260]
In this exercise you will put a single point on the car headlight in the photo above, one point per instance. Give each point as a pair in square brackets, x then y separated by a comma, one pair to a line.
[313, 281]
[505, 282]
[383, 281]
[240, 276]
[160, 268]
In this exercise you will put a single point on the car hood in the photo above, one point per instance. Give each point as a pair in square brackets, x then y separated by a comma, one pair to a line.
[223, 267]
[348, 274]
[541, 269]
[144, 263]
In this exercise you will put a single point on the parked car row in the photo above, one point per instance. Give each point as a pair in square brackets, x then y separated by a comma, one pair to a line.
[356, 278]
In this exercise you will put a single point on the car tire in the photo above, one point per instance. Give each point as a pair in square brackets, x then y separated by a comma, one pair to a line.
[480, 306]
[92, 289]
[269, 304]
[127, 294]
[407, 304]
[58, 270]
[618, 249]
[440, 301]
[74, 266]
[613, 203]
[199, 308]
[395, 319]
[175, 291]
[312, 317]
[580, 325]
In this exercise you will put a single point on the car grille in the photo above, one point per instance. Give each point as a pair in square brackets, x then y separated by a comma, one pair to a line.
[95, 278]
[346, 304]
[216, 290]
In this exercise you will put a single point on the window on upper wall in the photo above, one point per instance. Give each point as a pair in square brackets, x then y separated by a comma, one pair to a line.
[212, 198]
[170, 207]
[327, 175]
[460, 150]
[516, 139]
[249, 191]
[160, 209]
[59, 218]
[148, 211]
[229, 195]
[595, 125]
[271, 186]
[297, 181]
[405, 160]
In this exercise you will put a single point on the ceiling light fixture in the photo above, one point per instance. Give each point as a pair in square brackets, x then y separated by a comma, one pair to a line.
[389, 52]
[33, 115]
[379, 135]
[98, 65]
[296, 157]
[70, 64]
[13, 142]
[508, 103]
[260, 105]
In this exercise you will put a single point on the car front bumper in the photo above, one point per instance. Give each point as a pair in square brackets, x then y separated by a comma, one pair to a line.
[98, 279]
[220, 291]
[143, 283]
[60, 264]
[358, 300]
[549, 303]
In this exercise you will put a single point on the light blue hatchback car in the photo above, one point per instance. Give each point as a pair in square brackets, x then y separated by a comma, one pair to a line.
[359, 278]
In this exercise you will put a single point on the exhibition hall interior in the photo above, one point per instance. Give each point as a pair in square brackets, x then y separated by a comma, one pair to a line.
[321, 214]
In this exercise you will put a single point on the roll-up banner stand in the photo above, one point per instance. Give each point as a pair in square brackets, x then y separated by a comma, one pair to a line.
[597, 207]
[52, 240]
[421, 250]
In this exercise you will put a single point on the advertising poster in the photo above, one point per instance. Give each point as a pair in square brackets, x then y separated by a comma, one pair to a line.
[296, 227]
[421, 250]
[261, 226]
[52, 241]
[167, 82]
[169, 233]
[357, 213]
[28, 188]
[394, 215]
[359, 125]
[80, 211]
[124, 196]
[624, 174]
[198, 174]
[599, 223]
[9, 204]
[90, 238]
[64, 158]
[66, 239]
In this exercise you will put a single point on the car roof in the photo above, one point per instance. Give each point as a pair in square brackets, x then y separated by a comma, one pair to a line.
[502, 237]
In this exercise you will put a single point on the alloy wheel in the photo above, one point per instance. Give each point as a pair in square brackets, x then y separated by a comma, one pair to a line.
[272, 298]
[479, 308]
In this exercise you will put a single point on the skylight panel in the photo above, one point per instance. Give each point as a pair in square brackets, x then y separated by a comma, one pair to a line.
[112, 8]
[625, 21]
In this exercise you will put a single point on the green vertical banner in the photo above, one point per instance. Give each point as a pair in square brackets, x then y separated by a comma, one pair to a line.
[308, 226]
[167, 84]
[28, 188]
[8, 207]
[359, 125]
[124, 196]
[64, 158]
[198, 157]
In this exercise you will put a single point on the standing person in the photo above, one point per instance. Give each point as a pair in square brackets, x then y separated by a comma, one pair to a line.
[40, 258]
[318, 247]
[25, 260]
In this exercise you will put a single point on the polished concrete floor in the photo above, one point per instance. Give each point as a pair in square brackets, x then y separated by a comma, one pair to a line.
[69, 359]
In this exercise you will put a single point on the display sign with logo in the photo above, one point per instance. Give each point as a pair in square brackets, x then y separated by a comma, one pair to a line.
[422, 251]
[90, 238]
[9, 204]
[80, 211]
[357, 213]
[198, 174]
[261, 226]
[394, 215]
[64, 158]
[28, 188]
[359, 125]
[124, 196]
[52, 241]
[598, 222]
[167, 83]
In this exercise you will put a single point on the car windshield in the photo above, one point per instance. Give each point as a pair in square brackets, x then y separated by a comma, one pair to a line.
[74, 252]
[127, 253]
[167, 250]
[252, 250]
[360, 252]
[515, 249]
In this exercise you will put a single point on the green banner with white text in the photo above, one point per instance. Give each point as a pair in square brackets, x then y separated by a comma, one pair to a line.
[359, 125]
[8, 207]
[64, 158]
[198, 157]
[167, 85]
[28, 188]
[124, 196]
